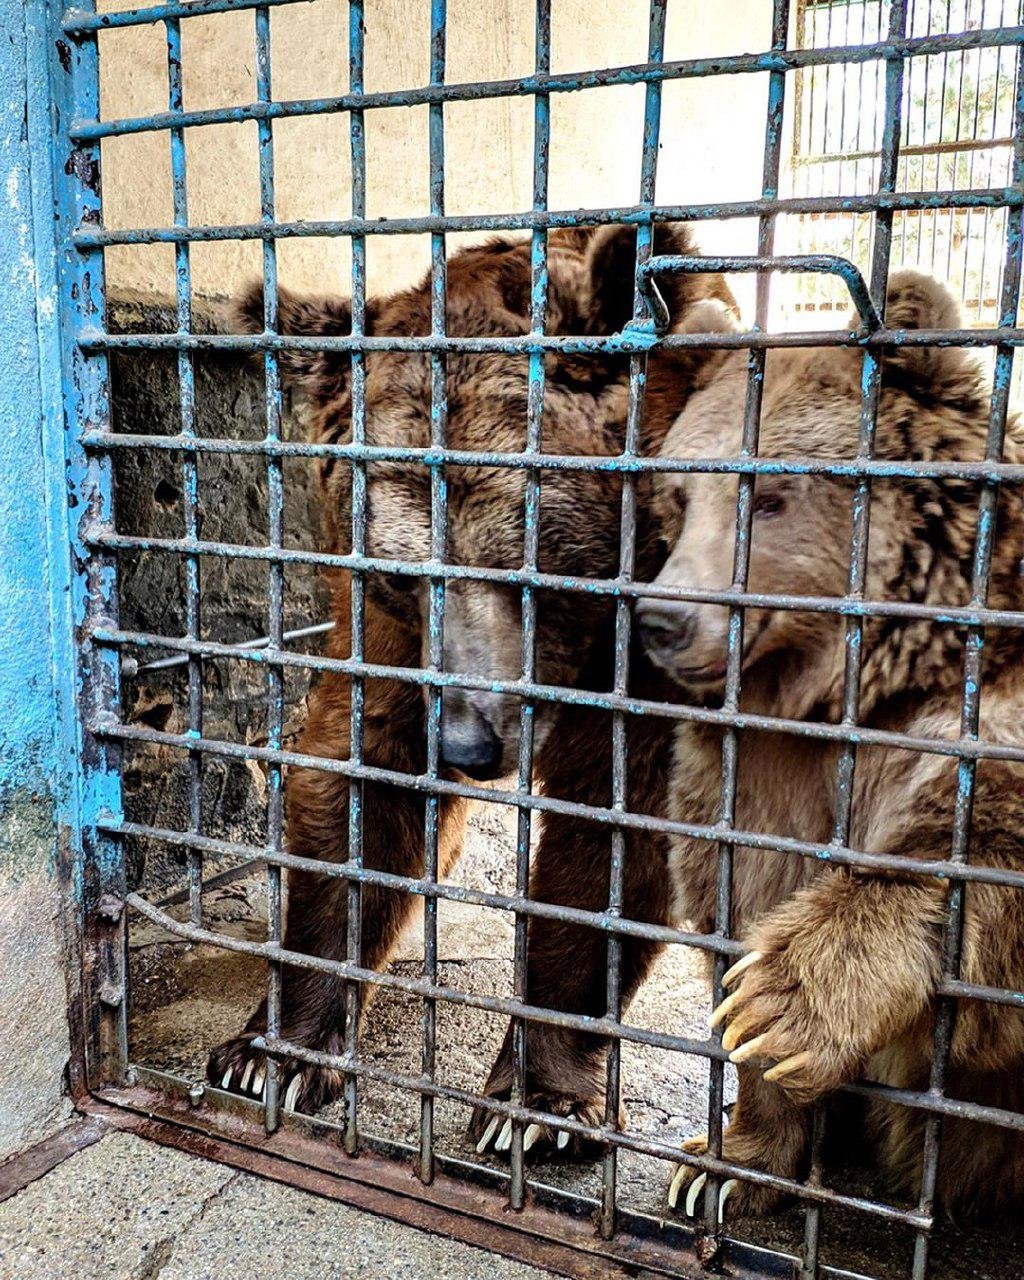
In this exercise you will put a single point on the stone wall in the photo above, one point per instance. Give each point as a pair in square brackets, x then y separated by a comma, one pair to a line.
[233, 505]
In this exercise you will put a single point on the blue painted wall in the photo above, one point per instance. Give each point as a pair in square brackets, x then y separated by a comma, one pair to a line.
[34, 617]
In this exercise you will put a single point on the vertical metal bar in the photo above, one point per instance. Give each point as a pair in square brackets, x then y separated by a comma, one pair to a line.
[189, 466]
[357, 147]
[970, 707]
[275, 509]
[624, 612]
[531, 541]
[438, 546]
[741, 563]
[870, 389]
[74, 80]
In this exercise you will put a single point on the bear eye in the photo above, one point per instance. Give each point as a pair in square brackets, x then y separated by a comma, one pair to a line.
[679, 498]
[769, 504]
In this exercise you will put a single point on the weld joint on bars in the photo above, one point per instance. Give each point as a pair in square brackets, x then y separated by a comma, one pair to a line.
[79, 24]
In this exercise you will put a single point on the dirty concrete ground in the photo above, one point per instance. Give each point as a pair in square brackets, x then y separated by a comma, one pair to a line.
[187, 999]
[126, 1209]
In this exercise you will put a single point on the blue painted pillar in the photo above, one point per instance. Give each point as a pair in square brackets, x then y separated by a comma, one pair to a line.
[38, 829]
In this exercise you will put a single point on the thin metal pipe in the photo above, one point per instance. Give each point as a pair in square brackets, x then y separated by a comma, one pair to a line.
[639, 1035]
[844, 606]
[657, 14]
[632, 341]
[566, 82]
[847, 468]
[94, 237]
[189, 461]
[357, 601]
[275, 569]
[819, 730]
[824, 853]
[970, 713]
[528, 600]
[438, 553]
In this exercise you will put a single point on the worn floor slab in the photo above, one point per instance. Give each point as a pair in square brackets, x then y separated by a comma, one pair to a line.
[126, 1209]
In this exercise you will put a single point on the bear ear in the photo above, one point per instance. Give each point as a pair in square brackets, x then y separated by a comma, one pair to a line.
[610, 268]
[917, 301]
[318, 373]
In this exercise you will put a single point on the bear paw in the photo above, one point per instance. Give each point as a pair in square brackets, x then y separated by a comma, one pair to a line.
[237, 1067]
[736, 1199]
[488, 1131]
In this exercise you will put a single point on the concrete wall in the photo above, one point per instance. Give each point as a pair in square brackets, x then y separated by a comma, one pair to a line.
[35, 774]
[712, 135]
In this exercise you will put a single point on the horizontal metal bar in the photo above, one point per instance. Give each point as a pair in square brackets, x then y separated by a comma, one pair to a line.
[422, 887]
[261, 642]
[77, 22]
[103, 726]
[629, 342]
[841, 606]
[935, 1104]
[606, 1027]
[609, 464]
[699, 264]
[91, 237]
[822, 731]
[421, 988]
[252, 855]
[563, 82]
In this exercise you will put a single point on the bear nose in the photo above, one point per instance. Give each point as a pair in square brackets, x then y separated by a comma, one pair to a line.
[468, 742]
[666, 625]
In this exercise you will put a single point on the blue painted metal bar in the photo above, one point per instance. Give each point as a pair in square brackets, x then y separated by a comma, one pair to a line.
[189, 462]
[825, 853]
[644, 73]
[970, 711]
[624, 611]
[275, 531]
[892, 468]
[677, 264]
[843, 605]
[528, 599]
[960, 198]
[632, 341]
[771, 162]
[84, 20]
[438, 553]
[100, 878]
[822, 732]
[354, 938]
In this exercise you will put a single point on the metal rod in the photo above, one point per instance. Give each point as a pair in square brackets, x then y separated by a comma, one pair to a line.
[91, 129]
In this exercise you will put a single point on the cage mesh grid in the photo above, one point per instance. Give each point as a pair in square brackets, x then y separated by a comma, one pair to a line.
[105, 731]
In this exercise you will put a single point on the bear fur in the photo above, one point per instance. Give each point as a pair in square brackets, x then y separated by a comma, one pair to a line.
[844, 962]
[591, 274]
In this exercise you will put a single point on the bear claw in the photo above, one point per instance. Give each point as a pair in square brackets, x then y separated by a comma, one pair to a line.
[695, 1191]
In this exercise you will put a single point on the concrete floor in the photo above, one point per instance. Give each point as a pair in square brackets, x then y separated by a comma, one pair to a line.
[126, 1209]
[187, 999]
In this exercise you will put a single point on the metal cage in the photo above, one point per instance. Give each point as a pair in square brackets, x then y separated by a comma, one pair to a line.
[560, 1231]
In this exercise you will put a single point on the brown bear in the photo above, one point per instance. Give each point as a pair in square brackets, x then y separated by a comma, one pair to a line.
[844, 962]
[591, 289]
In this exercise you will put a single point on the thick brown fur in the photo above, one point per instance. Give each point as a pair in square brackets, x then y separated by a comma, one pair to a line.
[585, 397]
[851, 958]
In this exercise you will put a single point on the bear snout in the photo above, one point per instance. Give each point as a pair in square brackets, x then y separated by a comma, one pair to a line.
[667, 628]
[468, 740]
